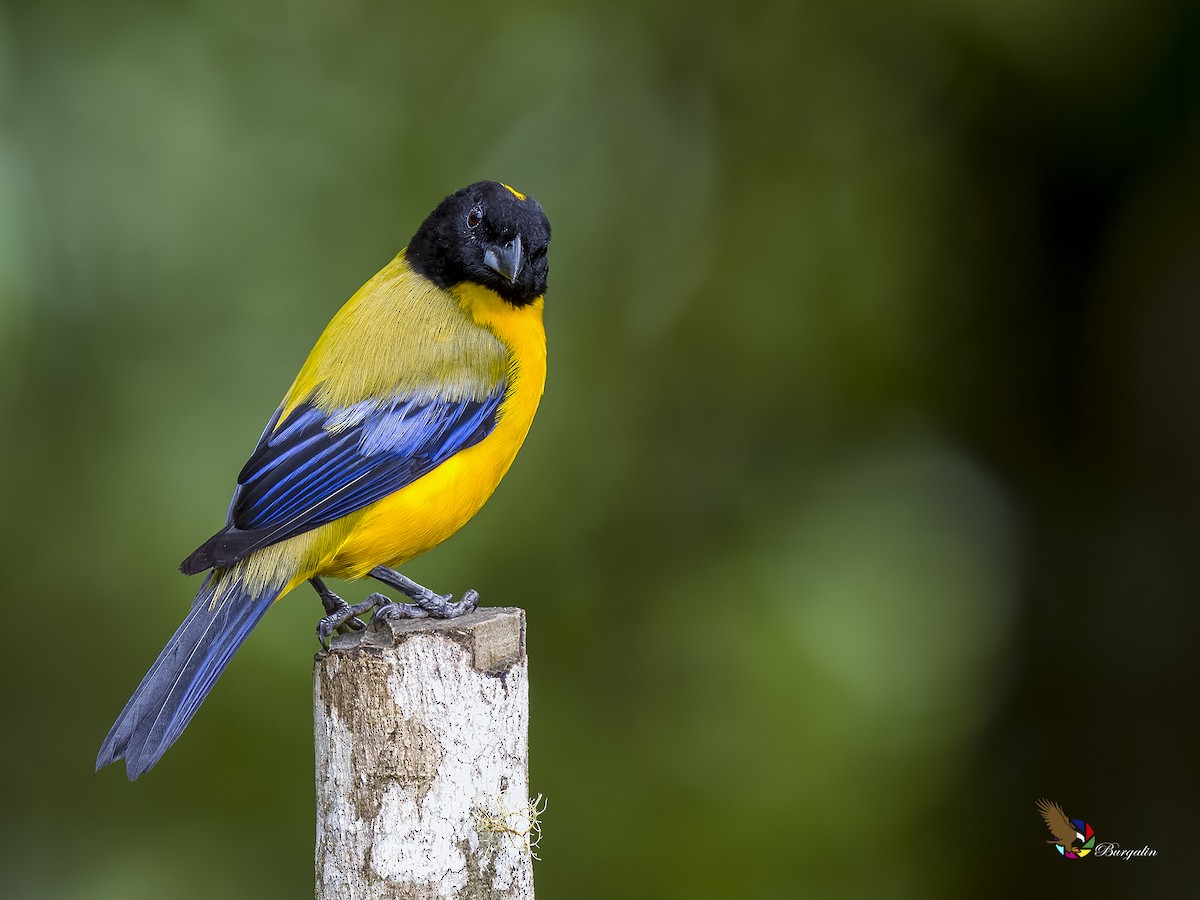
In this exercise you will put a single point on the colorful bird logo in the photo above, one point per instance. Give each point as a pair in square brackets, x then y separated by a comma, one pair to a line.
[1073, 838]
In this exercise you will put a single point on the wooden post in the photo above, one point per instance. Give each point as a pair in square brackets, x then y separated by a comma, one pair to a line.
[423, 761]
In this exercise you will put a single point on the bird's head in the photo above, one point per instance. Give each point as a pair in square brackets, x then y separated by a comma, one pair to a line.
[486, 234]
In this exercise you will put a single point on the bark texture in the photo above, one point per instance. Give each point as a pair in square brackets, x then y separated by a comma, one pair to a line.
[422, 758]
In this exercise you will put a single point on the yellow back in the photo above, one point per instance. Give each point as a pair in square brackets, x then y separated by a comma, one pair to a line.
[399, 334]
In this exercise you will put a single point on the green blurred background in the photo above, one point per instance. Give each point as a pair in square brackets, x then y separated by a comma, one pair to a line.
[863, 505]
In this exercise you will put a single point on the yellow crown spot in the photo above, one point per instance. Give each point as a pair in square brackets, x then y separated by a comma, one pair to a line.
[513, 191]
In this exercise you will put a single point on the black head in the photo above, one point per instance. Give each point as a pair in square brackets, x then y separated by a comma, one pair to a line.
[487, 234]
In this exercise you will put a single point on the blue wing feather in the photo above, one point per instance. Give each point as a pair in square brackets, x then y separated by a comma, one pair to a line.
[317, 466]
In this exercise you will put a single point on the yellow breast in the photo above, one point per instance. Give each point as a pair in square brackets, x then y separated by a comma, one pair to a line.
[417, 518]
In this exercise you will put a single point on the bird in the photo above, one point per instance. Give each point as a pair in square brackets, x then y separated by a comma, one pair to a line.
[408, 411]
[1065, 833]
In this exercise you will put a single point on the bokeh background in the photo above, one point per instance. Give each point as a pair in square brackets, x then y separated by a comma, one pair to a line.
[863, 507]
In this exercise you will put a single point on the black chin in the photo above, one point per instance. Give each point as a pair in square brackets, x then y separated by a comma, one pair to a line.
[521, 292]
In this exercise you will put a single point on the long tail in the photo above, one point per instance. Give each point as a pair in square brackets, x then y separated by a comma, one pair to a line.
[223, 614]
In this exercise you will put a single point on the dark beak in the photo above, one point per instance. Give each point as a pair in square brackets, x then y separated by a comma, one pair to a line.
[505, 260]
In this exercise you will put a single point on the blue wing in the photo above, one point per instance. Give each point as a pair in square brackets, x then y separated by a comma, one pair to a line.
[317, 466]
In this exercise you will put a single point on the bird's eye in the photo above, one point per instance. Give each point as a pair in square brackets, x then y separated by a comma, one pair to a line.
[475, 216]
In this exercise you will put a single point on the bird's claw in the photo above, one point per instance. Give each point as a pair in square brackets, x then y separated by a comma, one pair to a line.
[340, 622]
[340, 615]
[425, 604]
[391, 610]
[430, 605]
[325, 628]
[445, 607]
[330, 625]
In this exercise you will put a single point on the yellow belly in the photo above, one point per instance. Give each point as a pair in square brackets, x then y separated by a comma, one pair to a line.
[420, 516]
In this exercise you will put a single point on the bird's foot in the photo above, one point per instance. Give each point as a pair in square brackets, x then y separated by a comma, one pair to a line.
[433, 605]
[388, 609]
[339, 623]
[340, 616]
[426, 604]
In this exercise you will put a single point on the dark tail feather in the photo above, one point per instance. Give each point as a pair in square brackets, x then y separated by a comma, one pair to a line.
[222, 617]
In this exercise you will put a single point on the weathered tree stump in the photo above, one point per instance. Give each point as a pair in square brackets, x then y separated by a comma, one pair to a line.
[422, 755]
